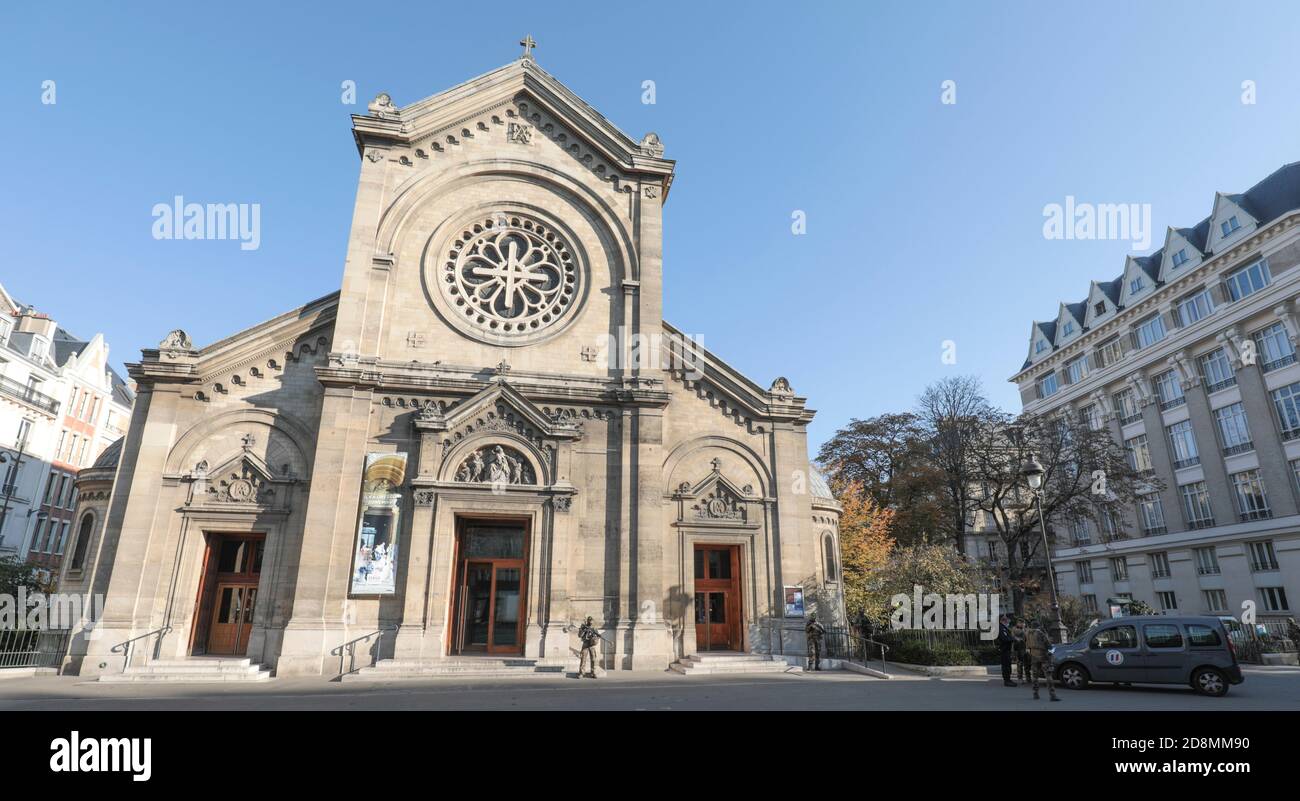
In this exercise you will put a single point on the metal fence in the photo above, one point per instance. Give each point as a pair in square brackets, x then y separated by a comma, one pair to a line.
[32, 648]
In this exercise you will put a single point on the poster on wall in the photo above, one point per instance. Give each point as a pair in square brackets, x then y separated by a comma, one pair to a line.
[794, 601]
[374, 562]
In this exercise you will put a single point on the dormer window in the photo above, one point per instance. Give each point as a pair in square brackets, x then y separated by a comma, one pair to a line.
[5, 325]
[1040, 346]
[40, 346]
[1180, 258]
[1229, 225]
[1135, 286]
[1067, 329]
[1099, 309]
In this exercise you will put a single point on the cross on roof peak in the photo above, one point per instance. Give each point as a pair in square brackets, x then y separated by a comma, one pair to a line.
[528, 43]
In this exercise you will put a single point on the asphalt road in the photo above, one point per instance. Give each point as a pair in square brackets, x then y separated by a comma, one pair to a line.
[1264, 689]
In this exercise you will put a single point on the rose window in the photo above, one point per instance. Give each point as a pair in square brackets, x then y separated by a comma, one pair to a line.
[510, 274]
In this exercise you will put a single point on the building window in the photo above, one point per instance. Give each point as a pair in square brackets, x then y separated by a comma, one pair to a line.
[1180, 258]
[1273, 599]
[1119, 568]
[1195, 307]
[1182, 444]
[1168, 601]
[1216, 370]
[1169, 390]
[1126, 406]
[1247, 281]
[1150, 331]
[1067, 329]
[1135, 286]
[1160, 565]
[1273, 347]
[1229, 225]
[1040, 346]
[1252, 502]
[83, 542]
[1089, 604]
[1091, 417]
[1139, 453]
[1207, 561]
[1286, 402]
[1097, 310]
[828, 549]
[1262, 557]
[1234, 430]
[1107, 524]
[1047, 385]
[1196, 505]
[1151, 514]
[1215, 600]
[63, 537]
[1085, 571]
[1081, 533]
[1077, 369]
[1109, 352]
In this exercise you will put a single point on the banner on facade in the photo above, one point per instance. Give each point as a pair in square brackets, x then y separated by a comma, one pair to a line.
[794, 601]
[374, 562]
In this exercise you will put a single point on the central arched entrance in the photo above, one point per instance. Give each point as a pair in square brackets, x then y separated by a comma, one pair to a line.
[490, 586]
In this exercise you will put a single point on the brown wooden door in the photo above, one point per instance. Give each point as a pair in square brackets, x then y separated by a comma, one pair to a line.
[718, 612]
[232, 619]
[490, 588]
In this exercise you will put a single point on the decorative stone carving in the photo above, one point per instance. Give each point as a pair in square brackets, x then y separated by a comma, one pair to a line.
[496, 464]
[176, 340]
[244, 487]
[720, 505]
[562, 503]
[519, 133]
[375, 154]
[651, 145]
[382, 106]
[424, 497]
[781, 386]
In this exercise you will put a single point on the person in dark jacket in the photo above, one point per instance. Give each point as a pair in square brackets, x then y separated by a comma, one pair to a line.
[1018, 649]
[1005, 641]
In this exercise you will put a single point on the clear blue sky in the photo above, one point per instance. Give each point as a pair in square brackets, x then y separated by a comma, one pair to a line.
[924, 219]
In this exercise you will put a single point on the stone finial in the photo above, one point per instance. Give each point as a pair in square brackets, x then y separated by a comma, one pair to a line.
[781, 386]
[651, 145]
[527, 43]
[382, 106]
[176, 340]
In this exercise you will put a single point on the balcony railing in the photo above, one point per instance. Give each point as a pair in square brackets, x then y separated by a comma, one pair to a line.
[27, 395]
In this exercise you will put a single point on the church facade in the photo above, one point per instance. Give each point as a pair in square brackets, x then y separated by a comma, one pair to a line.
[486, 435]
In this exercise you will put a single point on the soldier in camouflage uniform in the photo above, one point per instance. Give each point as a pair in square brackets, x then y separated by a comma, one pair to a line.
[814, 631]
[1037, 644]
[588, 636]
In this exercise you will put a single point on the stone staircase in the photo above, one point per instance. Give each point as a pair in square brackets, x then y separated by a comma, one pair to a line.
[198, 670]
[707, 664]
[461, 667]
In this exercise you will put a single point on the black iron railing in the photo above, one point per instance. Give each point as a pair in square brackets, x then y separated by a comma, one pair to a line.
[27, 395]
[32, 648]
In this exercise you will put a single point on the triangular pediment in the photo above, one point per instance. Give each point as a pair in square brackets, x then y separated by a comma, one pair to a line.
[715, 500]
[242, 479]
[497, 407]
[475, 107]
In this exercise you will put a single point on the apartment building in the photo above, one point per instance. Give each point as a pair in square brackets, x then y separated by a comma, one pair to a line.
[1189, 359]
[61, 405]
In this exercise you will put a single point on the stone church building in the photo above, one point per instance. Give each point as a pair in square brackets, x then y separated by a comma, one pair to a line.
[486, 435]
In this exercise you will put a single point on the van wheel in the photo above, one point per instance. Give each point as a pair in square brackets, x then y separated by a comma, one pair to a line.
[1073, 675]
[1208, 681]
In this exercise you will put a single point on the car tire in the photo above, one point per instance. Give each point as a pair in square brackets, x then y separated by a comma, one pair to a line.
[1073, 676]
[1209, 681]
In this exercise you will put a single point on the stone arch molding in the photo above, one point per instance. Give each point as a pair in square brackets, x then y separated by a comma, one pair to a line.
[728, 450]
[538, 465]
[396, 221]
[220, 438]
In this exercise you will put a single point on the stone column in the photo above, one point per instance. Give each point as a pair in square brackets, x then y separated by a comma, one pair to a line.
[316, 623]
[411, 642]
[652, 649]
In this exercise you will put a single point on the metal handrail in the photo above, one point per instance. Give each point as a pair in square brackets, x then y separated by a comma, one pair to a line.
[127, 647]
[866, 642]
[350, 647]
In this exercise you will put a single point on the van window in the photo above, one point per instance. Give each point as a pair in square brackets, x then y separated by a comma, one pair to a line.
[1199, 636]
[1162, 635]
[1117, 637]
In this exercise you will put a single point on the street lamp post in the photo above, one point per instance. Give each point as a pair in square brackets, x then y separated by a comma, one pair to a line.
[1033, 473]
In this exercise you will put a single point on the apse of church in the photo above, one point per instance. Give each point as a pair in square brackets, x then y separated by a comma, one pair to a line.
[459, 454]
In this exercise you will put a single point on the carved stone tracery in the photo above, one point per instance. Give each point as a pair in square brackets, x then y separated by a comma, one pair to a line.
[496, 464]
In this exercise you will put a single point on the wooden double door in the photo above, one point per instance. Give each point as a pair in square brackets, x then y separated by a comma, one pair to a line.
[718, 609]
[491, 574]
[228, 594]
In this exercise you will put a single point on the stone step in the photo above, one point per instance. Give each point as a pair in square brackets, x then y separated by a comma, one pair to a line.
[762, 667]
[214, 661]
[707, 658]
[461, 668]
[186, 669]
[197, 670]
[185, 678]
